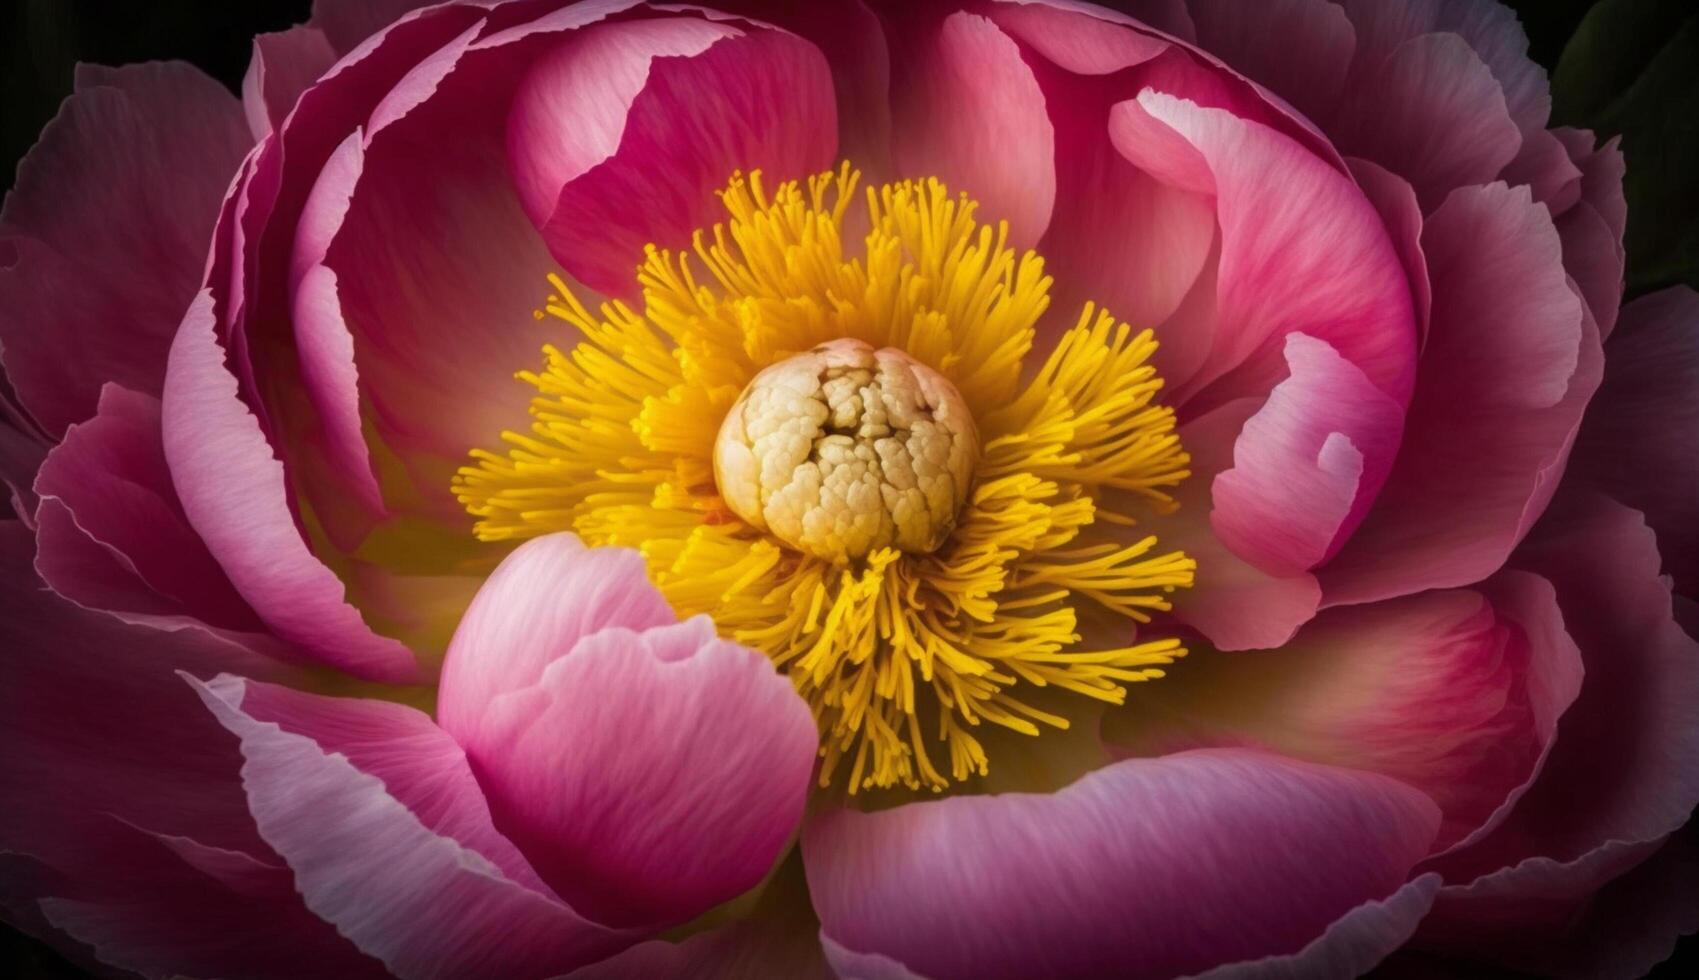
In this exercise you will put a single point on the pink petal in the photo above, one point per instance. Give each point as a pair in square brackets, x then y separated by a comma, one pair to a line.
[1234, 603]
[1511, 360]
[232, 490]
[348, 22]
[1315, 258]
[1300, 49]
[676, 107]
[1395, 199]
[284, 63]
[325, 346]
[1640, 440]
[1307, 465]
[1436, 117]
[1491, 30]
[1592, 227]
[1544, 165]
[969, 112]
[1102, 877]
[1448, 692]
[424, 903]
[1142, 276]
[701, 737]
[512, 632]
[112, 488]
[105, 231]
[1623, 772]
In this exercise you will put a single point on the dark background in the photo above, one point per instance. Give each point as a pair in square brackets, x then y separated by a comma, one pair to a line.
[1628, 67]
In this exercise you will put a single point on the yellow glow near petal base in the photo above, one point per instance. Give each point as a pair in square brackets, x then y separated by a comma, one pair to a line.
[900, 656]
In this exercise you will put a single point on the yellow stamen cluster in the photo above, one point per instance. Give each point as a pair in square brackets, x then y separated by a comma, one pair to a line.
[897, 653]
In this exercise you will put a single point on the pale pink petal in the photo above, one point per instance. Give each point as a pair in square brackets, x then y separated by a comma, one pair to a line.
[969, 112]
[284, 63]
[108, 484]
[232, 490]
[420, 765]
[1450, 692]
[1623, 772]
[701, 737]
[1308, 464]
[105, 231]
[1511, 359]
[1602, 170]
[425, 904]
[1432, 113]
[1315, 258]
[1104, 876]
[620, 136]
[1235, 604]
[1640, 439]
[1078, 45]
[533, 608]
[1351, 946]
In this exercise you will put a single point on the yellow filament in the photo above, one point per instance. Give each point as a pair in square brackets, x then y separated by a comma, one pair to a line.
[898, 655]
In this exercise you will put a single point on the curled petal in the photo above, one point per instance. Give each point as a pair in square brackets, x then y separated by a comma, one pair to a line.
[581, 702]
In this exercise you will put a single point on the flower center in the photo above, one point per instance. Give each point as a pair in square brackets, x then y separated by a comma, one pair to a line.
[833, 447]
[847, 449]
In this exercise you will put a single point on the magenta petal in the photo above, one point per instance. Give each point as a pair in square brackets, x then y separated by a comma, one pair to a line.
[283, 65]
[677, 107]
[1351, 946]
[106, 230]
[1645, 420]
[426, 904]
[1101, 878]
[969, 112]
[1395, 199]
[112, 489]
[1511, 359]
[348, 22]
[1307, 465]
[580, 701]
[232, 490]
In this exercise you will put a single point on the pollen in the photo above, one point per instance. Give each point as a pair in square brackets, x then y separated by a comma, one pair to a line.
[828, 444]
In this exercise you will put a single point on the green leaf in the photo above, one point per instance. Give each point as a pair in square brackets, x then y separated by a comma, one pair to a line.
[1632, 68]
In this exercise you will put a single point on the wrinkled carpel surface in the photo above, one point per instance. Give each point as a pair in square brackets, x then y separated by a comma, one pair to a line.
[262, 682]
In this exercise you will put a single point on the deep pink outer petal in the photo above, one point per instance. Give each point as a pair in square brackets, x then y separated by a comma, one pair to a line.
[1645, 420]
[104, 232]
[1149, 867]
[283, 65]
[1624, 771]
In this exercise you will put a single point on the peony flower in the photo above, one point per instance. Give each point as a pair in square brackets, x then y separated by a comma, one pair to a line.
[950, 490]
